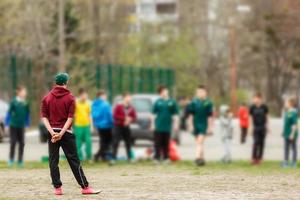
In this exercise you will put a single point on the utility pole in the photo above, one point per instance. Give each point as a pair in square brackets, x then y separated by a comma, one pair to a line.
[61, 29]
[233, 67]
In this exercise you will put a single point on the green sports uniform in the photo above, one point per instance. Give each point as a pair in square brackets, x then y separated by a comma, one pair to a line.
[164, 111]
[290, 120]
[201, 110]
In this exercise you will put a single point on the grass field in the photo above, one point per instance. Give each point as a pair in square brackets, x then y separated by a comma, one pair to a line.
[144, 180]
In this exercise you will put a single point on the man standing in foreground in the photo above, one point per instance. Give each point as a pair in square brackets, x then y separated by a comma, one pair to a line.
[259, 115]
[201, 121]
[57, 112]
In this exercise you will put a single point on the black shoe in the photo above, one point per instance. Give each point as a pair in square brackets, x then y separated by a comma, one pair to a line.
[200, 162]
[96, 158]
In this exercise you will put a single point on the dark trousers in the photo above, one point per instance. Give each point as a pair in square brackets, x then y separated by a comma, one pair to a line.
[161, 145]
[288, 144]
[120, 133]
[105, 140]
[68, 144]
[259, 136]
[244, 132]
[17, 136]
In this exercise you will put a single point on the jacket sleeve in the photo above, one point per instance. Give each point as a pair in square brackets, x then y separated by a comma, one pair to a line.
[109, 114]
[27, 120]
[8, 115]
[44, 109]
[133, 115]
[72, 108]
[117, 113]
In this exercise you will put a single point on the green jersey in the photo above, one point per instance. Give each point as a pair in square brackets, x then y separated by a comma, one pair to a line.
[18, 113]
[290, 120]
[164, 111]
[201, 110]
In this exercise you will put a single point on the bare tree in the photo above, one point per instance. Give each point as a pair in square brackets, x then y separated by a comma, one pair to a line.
[61, 28]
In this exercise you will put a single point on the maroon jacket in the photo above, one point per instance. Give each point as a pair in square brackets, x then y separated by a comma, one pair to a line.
[58, 106]
[120, 114]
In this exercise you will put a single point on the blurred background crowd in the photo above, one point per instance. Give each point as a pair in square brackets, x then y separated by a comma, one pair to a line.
[234, 47]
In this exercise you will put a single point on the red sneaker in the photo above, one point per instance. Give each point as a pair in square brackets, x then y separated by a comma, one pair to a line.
[58, 191]
[254, 162]
[89, 190]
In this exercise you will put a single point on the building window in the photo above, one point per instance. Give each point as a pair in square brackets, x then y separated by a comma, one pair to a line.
[166, 8]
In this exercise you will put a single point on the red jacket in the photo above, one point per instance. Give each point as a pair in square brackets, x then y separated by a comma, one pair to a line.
[120, 113]
[58, 106]
[244, 116]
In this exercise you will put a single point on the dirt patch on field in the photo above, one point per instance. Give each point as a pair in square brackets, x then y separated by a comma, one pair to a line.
[153, 182]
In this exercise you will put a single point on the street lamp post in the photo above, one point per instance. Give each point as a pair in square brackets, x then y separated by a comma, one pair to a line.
[233, 68]
[233, 57]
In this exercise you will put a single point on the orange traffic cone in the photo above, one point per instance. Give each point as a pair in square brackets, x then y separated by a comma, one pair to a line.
[173, 151]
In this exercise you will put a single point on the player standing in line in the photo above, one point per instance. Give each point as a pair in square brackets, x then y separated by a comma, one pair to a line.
[165, 111]
[17, 119]
[201, 121]
[259, 115]
[83, 125]
[290, 133]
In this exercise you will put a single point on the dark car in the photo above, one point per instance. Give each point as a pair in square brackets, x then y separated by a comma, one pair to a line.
[3, 112]
[143, 104]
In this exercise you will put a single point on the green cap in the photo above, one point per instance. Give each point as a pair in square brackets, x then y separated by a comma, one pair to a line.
[61, 78]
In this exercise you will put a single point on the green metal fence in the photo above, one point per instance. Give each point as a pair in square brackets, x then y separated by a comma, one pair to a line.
[13, 71]
[115, 79]
[118, 79]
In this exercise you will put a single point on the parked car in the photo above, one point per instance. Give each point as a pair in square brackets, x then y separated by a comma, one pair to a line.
[3, 111]
[140, 130]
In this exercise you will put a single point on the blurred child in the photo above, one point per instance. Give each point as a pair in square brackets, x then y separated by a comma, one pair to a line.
[165, 118]
[201, 121]
[290, 132]
[259, 115]
[244, 121]
[124, 115]
[82, 125]
[17, 119]
[103, 121]
[226, 130]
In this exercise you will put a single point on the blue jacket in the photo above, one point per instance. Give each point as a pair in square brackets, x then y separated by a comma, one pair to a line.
[102, 114]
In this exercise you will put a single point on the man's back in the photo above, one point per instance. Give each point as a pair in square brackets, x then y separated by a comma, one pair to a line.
[58, 106]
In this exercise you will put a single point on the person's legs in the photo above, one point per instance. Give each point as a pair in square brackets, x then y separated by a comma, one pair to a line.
[157, 145]
[106, 140]
[295, 153]
[165, 145]
[127, 140]
[79, 139]
[262, 137]
[68, 145]
[243, 134]
[226, 148]
[98, 154]
[117, 135]
[200, 146]
[88, 142]
[53, 162]
[21, 141]
[13, 141]
[255, 145]
[286, 150]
